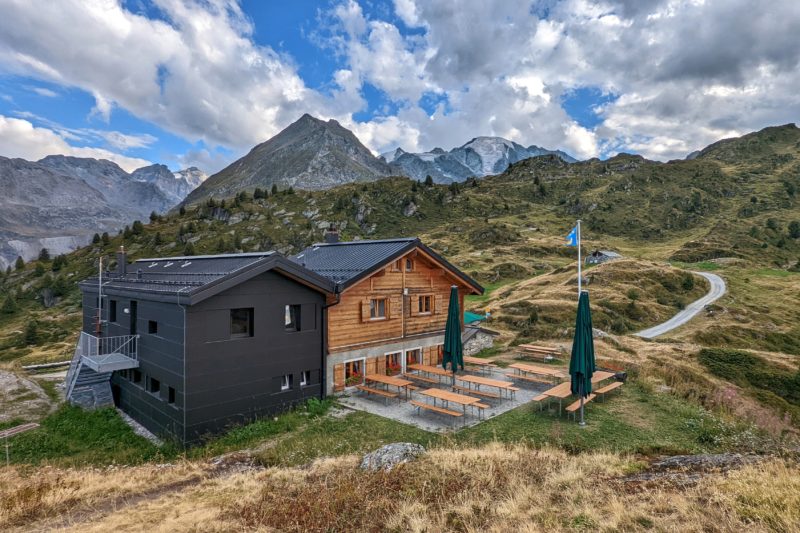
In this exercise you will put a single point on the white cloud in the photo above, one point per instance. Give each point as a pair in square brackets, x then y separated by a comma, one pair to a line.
[20, 138]
[43, 91]
[686, 72]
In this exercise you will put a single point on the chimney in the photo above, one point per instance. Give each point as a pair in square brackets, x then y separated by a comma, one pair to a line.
[122, 261]
[331, 235]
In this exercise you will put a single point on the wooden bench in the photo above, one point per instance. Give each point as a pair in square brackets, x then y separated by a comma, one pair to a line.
[481, 407]
[608, 388]
[540, 399]
[476, 392]
[429, 407]
[573, 407]
[421, 378]
[379, 392]
[530, 378]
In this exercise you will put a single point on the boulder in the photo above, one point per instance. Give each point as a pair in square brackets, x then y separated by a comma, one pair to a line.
[388, 456]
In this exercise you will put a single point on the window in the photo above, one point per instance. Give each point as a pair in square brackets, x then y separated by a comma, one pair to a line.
[112, 310]
[425, 304]
[409, 265]
[305, 378]
[394, 363]
[377, 308]
[137, 376]
[354, 372]
[414, 357]
[242, 322]
[292, 318]
[152, 327]
[170, 395]
[286, 382]
[154, 385]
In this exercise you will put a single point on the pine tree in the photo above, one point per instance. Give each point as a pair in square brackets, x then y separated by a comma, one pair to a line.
[221, 245]
[127, 233]
[222, 203]
[44, 255]
[20, 263]
[137, 228]
[153, 216]
[188, 249]
[237, 241]
[428, 181]
[157, 239]
[60, 286]
[96, 238]
[258, 194]
[290, 190]
[274, 189]
[39, 270]
[794, 229]
[31, 335]
[182, 211]
[9, 305]
[211, 202]
[105, 238]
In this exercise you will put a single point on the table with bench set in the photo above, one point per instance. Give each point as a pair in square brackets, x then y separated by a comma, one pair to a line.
[389, 381]
[537, 373]
[447, 397]
[477, 381]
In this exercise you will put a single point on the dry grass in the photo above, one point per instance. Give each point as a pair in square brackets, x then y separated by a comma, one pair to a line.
[494, 488]
[31, 494]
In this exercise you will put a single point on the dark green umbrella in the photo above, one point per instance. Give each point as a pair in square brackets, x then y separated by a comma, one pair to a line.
[581, 364]
[453, 348]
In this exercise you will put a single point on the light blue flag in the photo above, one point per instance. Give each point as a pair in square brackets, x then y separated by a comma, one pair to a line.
[572, 238]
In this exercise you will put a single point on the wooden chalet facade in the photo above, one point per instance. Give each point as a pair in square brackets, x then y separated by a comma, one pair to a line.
[390, 308]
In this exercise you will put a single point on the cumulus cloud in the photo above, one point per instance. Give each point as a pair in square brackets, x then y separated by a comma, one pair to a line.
[20, 138]
[686, 73]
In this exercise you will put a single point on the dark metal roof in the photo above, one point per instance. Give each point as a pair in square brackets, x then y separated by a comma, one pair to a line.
[193, 278]
[346, 263]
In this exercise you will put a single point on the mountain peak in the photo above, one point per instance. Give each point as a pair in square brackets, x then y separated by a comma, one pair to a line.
[308, 154]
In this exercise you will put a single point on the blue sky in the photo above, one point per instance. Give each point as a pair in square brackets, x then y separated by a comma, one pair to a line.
[199, 83]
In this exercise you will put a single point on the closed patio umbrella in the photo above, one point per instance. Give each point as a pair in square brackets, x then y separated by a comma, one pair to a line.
[581, 363]
[453, 348]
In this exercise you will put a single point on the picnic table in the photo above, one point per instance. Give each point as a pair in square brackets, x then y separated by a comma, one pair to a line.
[560, 391]
[451, 397]
[544, 352]
[390, 381]
[522, 369]
[428, 369]
[601, 375]
[483, 364]
[488, 382]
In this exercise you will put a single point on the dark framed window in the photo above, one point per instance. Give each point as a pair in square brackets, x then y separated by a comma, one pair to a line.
[377, 308]
[170, 395]
[292, 318]
[137, 375]
[153, 385]
[286, 382]
[409, 265]
[242, 322]
[152, 327]
[112, 310]
[305, 378]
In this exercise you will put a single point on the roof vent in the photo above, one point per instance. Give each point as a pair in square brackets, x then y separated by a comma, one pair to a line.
[151, 265]
[186, 264]
[168, 264]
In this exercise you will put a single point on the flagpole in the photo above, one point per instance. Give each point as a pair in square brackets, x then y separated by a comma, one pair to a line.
[579, 259]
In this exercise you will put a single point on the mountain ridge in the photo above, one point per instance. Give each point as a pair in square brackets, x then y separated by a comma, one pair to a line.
[308, 154]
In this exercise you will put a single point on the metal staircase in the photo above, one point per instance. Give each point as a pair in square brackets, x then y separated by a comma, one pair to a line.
[88, 382]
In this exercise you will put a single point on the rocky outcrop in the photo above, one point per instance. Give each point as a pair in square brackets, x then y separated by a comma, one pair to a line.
[388, 456]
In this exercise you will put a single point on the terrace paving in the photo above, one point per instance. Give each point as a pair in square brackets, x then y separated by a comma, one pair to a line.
[403, 411]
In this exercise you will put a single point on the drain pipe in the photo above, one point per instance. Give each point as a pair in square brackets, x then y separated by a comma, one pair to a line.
[323, 369]
[183, 407]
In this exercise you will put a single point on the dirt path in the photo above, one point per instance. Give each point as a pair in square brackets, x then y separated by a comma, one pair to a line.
[718, 288]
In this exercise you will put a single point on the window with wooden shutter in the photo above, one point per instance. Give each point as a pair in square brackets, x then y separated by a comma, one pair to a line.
[365, 314]
[338, 377]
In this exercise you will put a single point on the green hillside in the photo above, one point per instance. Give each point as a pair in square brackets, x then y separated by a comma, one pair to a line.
[737, 199]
